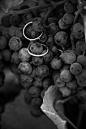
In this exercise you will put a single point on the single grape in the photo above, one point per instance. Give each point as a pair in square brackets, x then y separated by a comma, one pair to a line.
[58, 82]
[2, 79]
[72, 85]
[36, 48]
[24, 55]
[52, 29]
[36, 61]
[30, 32]
[34, 91]
[14, 58]
[66, 21]
[81, 46]
[75, 68]
[36, 112]
[68, 18]
[78, 30]
[6, 54]
[68, 57]
[12, 31]
[38, 82]
[61, 38]
[5, 21]
[82, 60]
[69, 7]
[14, 20]
[48, 57]
[37, 24]
[56, 63]
[81, 78]
[37, 101]
[26, 81]
[65, 91]
[42, 71]
[25, 67]
[62, 24]
[66, 75]
[3, 42]
[47, 82]
[15, 43]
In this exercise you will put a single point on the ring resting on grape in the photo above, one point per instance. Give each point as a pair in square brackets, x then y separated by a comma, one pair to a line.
[24, 34]
[44, 52]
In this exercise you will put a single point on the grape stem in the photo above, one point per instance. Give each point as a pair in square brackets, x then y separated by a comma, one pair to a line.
[72, 40]
[54, 5]
[65, 100]
[83, 53]
[47, 15]
[76, 16]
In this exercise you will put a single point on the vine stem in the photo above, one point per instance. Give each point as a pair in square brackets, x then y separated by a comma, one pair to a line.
[73, 125]
[76, 16]
[80, 115]
[54, 5]
[82, 109]
[66, 100]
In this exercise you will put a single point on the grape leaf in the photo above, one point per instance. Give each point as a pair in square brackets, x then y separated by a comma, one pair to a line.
[48, 108]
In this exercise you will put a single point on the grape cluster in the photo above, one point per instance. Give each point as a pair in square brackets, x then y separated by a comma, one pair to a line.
[63, 41]
[72, 75]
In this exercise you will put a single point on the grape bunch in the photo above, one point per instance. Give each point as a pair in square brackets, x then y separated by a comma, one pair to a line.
[69, 76]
